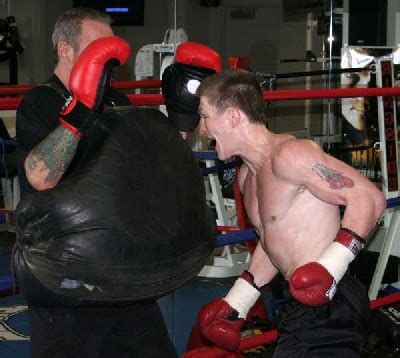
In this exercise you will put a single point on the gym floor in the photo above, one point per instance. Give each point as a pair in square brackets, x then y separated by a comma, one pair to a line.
[179, 308]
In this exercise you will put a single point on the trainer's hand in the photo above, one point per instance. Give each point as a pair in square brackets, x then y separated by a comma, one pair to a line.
[180, 80]
[221, 320]
[314, 284]
[199, 55]
[90, 80]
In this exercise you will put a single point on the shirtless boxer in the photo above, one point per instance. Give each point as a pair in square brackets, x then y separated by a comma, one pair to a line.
[292, 192]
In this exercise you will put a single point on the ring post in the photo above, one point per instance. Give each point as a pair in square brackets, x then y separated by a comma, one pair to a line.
[389, 166]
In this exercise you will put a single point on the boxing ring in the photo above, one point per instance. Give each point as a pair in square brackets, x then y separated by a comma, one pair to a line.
[243, 233]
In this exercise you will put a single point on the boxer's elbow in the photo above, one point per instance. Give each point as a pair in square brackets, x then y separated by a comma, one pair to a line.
[382, 203]
[378, 203]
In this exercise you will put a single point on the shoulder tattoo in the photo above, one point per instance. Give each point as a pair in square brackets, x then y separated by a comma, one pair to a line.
[335, 179]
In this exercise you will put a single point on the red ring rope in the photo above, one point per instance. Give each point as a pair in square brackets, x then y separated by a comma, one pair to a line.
[136, 84]
[279, 95]
[21, 89]
[11, 103]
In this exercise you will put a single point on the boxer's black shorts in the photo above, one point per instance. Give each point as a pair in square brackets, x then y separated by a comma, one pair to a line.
[338, 329]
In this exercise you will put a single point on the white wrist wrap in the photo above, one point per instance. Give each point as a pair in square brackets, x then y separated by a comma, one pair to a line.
[242, 296]
[336, 259]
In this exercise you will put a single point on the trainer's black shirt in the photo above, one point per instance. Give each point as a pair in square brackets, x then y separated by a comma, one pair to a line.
[37, 117]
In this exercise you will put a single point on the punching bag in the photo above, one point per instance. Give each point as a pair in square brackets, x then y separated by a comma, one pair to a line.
[129, 220]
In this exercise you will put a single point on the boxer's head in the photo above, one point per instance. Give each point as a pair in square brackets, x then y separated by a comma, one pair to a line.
[193, 63]
[235, 88]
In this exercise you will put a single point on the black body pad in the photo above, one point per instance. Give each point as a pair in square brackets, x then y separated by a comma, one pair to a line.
[128, 221]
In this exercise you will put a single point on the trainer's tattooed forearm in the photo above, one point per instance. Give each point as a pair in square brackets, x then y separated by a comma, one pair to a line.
[335, 179]
[54, 153]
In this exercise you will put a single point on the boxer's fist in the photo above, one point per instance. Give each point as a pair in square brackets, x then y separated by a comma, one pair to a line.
[312, 285]
[222, 320]
[220, 324]
[210, 352]
[90, 80]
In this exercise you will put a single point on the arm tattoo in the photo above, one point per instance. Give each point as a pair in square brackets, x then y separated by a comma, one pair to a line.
[335, 179]
[55, 152]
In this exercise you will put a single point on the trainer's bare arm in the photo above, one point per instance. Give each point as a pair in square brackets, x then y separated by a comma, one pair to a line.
[48, 161]
[302, 162]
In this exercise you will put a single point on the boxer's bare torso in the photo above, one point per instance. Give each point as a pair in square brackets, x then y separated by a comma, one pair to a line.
[294, 226]
[292, 191]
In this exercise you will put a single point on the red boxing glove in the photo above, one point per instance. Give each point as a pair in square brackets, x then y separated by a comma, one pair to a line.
[210, 352]
[199, 55]
[314, 284]
[89, 81]
[221, 320]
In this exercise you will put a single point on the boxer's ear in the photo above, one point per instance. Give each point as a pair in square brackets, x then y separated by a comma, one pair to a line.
[234, 115]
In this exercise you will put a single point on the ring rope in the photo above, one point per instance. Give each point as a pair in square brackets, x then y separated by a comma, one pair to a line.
[208, 154]
[21, 89]
[285, 95]
[278, 95]
[335, 71]
[221, 167]
[235, 236]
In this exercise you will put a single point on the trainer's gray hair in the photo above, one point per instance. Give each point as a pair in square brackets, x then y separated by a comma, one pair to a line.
[68, 26]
